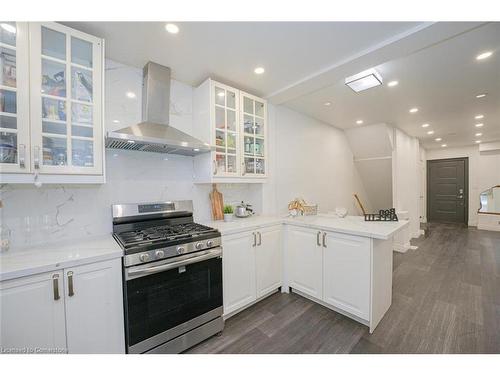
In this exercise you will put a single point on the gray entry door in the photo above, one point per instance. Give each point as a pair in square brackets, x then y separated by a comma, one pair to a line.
[447, 190]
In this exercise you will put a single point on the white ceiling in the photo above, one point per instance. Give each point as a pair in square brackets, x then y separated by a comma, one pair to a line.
[229, 51]
[306, 63]
[441, 80]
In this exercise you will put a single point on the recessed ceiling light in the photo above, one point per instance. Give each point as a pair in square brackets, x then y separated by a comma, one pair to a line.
[130, 141]
[259, 70]
[438, 139]
[479, 125]
[479, 96]
[478, 117]
[196, 149]
[116, 121]
[8, 27]
[327, 104]
[393, 83]
[444, 145]
[479, 134]
[130, 94]
[414, 110]
[364, 80]
[172, 28]
[425, 125]
[359, 122]
[430, 132]
[484, 55]
[478, 141]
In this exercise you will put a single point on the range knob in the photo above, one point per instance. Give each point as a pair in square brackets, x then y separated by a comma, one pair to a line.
[144, 257]
[210, 243]
[159, 253]
[198, 246]
[180, 250]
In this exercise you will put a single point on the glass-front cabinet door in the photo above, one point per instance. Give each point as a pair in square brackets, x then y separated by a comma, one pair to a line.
[253, 117]
[66, 102]
[225, 117]
[14, 98]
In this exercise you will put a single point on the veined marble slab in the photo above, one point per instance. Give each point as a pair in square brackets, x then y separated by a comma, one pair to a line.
[55, 256]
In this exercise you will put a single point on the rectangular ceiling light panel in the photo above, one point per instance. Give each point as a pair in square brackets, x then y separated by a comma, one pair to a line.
[364, 80]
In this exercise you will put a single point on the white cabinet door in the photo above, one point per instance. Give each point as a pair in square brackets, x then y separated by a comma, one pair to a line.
[238, 259]
[268, 260]
[253, 127]
[14, 98]
[304, 261]
[66, 100]
[94, 308]
[346, 273]
[32, 314]
[225, 113]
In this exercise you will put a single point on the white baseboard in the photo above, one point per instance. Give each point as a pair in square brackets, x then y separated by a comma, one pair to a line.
[401, 247]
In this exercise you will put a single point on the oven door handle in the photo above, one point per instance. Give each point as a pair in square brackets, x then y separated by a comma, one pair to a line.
[214, 253]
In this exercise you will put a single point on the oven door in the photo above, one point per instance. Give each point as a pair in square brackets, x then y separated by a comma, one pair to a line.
[165, 299]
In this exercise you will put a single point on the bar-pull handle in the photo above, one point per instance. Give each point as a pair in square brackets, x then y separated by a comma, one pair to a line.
[324, 239]
[215, 167]
[22, 156]
[36, 157]
[317, 238]
[71, 292]
[55, 284]
[260, 238]
[254, 239]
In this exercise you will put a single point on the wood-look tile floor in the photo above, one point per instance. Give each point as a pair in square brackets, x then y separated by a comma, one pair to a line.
[446, 299]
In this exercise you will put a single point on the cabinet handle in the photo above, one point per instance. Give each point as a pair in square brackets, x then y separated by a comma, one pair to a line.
[36, 157]
[71, 293]
[22, 156]
[317, 238]
[215, 167]
[324, 239]
[55, 284]
[260, 239]
[254, 239]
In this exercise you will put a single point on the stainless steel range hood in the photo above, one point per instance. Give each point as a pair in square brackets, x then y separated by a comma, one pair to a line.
[154, 134]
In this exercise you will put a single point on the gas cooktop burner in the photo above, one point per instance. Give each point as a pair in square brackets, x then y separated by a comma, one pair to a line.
[163, 233]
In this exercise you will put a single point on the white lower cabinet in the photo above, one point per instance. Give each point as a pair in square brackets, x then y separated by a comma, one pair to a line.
[32, 317]
[238, 261]
[77, 310]
[252, 266]
[304, 257]
[94, 308]
[268, 260]
[346, 273]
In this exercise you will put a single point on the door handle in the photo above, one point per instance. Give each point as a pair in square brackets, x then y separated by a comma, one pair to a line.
[317, 238]
[254, 239]
[22, 156]
[55, 285]
[71, 292]
[36, 157]
[324, 239]
[260, 238]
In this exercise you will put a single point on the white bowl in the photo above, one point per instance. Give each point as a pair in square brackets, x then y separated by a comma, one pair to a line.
[341, 212]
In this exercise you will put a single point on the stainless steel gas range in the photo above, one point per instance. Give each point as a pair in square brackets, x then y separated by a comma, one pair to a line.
[172, 276]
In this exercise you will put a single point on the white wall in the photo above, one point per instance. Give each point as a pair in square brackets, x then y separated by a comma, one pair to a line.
[407, 178]
[484, 172]
[313, 161]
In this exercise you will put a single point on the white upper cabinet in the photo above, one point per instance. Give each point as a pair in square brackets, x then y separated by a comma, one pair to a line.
[60, 133]
[14, 98]
[235, 124]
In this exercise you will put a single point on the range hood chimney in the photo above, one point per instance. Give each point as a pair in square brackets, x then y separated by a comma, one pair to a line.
[154, 134]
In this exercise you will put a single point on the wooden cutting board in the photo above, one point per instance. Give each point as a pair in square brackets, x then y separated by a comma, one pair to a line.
[217, 204]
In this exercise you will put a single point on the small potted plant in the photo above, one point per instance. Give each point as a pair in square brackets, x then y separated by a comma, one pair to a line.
[228, 212]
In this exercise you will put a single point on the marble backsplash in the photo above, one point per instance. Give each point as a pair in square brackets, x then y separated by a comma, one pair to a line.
[60, 212]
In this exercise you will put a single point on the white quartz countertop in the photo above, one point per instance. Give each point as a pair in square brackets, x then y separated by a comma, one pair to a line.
[354, 225]
[55, 256]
